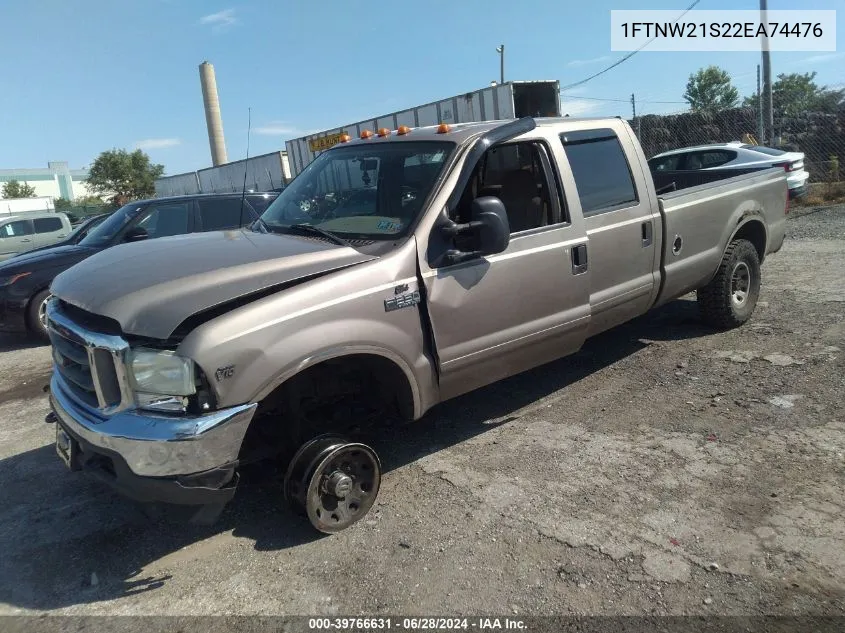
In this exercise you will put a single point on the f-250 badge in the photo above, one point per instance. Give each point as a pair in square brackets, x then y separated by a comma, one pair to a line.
[398, 302]
[223, 373]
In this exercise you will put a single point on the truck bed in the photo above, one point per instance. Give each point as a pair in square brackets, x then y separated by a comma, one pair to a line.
[701, 220]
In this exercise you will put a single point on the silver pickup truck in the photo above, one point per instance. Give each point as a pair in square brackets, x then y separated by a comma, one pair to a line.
[398, 270]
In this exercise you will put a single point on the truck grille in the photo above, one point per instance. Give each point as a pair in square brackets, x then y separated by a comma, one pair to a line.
[90, 364]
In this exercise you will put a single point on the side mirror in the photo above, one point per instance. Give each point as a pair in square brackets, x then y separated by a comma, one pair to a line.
[136, 234]
[493, 233]
[487, 233]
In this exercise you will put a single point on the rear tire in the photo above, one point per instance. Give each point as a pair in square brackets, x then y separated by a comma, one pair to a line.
[731, 296]
[36, 315]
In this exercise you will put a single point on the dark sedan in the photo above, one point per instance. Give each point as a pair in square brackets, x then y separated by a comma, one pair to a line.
[25, 280]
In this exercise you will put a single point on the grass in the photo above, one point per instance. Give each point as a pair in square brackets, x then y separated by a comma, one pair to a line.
[823, 194]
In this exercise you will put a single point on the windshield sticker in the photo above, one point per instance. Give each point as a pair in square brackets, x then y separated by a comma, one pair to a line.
[390, 227]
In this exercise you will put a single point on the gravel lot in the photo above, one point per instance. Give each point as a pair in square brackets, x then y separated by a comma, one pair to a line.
[665, 469]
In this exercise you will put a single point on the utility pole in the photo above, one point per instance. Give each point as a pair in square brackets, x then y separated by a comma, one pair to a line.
[768, 110]
[760, 129]
[501, 51]
[634, 112]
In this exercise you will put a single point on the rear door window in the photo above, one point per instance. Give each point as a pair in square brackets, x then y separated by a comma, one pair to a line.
[164, 220]
[601, 171]
[47, 225]
[716, 158]
[219, 214]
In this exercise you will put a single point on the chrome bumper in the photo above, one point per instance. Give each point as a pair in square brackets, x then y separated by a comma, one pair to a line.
[156, 445]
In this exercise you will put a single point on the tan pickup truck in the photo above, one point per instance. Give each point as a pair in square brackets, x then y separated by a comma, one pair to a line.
[398, 270]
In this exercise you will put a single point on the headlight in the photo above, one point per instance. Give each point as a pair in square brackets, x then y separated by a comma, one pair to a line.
[161, 373]
[8, 280]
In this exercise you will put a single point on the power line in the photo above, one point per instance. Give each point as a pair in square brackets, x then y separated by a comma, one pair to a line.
[628, 100]
[629, 55]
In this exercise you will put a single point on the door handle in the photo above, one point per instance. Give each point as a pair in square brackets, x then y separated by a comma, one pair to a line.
[26, 240]
[579, 259]
[647, 229]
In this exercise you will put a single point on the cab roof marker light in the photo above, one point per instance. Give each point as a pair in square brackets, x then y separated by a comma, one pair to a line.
[402, 130]
[443, 128]
[383, 132]
[366, 134]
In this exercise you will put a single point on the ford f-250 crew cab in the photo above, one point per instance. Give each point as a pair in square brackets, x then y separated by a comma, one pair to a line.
[397, 270]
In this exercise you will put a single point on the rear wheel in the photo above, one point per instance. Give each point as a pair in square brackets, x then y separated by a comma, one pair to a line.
[731, 296]
[37, 314]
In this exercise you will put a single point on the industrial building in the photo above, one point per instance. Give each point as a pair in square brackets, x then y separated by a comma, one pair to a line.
[56, 181]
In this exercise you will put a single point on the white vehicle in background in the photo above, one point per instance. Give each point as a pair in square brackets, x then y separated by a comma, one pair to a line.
[729, 156]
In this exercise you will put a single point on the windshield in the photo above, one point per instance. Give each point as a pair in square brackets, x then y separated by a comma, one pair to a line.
[366, 192]
[104, 233]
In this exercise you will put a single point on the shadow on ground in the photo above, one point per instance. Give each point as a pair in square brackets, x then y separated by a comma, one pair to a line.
[13, 342]
[57, 526]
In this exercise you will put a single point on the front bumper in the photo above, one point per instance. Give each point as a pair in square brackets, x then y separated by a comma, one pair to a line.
[149, 457]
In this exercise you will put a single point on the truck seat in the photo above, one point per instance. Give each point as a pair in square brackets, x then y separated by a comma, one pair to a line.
[523, 205]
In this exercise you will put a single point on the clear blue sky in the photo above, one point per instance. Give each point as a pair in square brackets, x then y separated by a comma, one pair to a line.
[82, 77]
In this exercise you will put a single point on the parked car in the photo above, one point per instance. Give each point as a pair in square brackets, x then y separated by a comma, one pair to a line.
[25, 280]
[725, 156]
[489, 249]
[77, 233]
[28, 231]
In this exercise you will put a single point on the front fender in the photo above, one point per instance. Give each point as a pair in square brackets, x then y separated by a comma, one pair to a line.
[251, 350]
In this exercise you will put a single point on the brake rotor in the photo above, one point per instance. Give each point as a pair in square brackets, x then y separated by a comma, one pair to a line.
[333, 481]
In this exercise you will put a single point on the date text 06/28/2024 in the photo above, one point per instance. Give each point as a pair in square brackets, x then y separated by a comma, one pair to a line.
[416, 624]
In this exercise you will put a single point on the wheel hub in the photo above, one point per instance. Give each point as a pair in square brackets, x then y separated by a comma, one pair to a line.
[334, 481]
[338, 484]
[42, 311]
[740, 283]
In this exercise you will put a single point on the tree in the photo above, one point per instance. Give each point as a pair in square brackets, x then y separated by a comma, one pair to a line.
[124, 175]
[710, 90]
[88, 201]
[62, 203]
[15, 189]
[795, 93]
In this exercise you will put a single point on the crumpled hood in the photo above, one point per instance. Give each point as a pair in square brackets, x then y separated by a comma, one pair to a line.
[151, 287]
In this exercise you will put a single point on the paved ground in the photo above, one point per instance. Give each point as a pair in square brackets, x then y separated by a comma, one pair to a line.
[665, 469]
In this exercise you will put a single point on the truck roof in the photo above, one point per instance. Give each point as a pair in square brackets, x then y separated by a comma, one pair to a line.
[460, 132]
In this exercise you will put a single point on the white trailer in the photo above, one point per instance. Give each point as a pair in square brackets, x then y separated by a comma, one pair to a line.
[266, 172]
[11, 206]
[177, 185]
[510, 100]
[263, 173]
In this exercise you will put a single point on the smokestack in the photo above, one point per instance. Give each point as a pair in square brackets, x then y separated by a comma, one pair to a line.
[212, 114]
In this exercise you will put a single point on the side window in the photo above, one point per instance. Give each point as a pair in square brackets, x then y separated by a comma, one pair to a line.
[17, 229]
[47, 225]
[668, 163]
[602, 175]
[716, 158]
[166, 219]
[260, 203]
[514, 173]
[222, 213]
